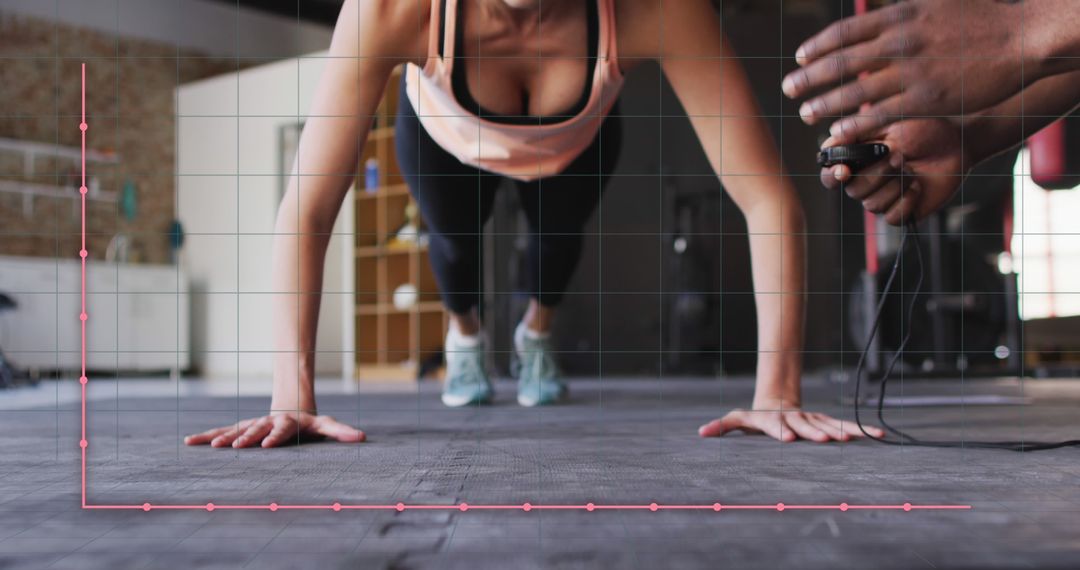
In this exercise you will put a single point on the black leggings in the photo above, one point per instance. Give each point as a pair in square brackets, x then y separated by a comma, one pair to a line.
[456, 201]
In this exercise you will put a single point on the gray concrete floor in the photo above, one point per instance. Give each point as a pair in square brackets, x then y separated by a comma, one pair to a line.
[617, 441]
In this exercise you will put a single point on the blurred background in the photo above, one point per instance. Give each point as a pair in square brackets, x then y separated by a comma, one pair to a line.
[196, 107]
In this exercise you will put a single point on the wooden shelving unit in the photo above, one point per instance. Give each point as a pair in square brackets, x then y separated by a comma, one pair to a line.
[390, 343]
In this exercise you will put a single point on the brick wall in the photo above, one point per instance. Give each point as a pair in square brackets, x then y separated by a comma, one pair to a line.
[130, 108]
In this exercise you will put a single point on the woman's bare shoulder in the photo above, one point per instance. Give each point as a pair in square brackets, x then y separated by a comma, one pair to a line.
[386, 27]
[645, 26]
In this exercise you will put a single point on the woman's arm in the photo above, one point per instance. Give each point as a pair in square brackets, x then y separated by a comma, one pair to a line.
[715, 91]
[366, 46]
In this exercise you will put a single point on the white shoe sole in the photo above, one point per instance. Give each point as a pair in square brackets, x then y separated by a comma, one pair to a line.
[451, 401]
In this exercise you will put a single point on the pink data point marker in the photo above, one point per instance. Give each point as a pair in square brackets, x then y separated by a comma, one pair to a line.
[526, 507]
[146, 507]
[336, 506]
[590, 507]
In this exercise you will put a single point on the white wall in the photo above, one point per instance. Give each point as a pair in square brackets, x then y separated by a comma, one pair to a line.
[227, 197]
[216, 29]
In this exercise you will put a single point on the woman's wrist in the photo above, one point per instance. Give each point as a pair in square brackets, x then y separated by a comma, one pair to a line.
[779, 381]
[292, 396]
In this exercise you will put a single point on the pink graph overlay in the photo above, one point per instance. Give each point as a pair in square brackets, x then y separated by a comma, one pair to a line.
[526, 507]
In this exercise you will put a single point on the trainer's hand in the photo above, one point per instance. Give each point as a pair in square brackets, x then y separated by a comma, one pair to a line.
[916, 61]
[926, 165]
[786, 425]
[277, 429]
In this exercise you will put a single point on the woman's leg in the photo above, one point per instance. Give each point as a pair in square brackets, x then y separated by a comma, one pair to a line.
[557, 209]
[455, 201]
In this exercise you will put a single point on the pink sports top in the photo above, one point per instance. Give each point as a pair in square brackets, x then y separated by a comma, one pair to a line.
[521, 151]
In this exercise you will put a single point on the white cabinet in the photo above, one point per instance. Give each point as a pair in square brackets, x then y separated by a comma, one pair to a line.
[138, 316]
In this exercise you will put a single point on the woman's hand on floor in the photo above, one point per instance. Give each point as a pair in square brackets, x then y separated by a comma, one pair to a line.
[275, 430]
[786, 424]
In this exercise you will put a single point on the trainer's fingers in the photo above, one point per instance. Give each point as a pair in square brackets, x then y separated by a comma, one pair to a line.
[254, 433]
[803, 428]
[869, 181]
[903, 208]
[849, 97]
[846, 32]
[883, 198]
[285, 430]
[334, 429]
[861, 125]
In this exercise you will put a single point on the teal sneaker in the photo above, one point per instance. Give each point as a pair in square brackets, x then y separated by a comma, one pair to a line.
[466, 380]
[538, 374]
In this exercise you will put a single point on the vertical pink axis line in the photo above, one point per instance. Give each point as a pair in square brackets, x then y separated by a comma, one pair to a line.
[82, 292]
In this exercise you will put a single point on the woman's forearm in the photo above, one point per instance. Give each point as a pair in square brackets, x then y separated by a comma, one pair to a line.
[777, 248]
[298, 260]
[345, 101]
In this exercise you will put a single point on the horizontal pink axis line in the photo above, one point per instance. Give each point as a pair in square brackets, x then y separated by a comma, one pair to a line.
[529, 507]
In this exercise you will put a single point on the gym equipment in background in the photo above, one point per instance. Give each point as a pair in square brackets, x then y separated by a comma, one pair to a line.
[1052, 166]
[10, 376]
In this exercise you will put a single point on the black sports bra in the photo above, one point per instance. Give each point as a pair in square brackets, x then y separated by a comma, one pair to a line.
[461, 85]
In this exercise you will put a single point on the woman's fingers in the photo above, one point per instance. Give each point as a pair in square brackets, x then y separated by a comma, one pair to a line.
[333, 429]
[211, 436]
[735, 420]
[772, 423]
[226, 439]
[206, 436]
[850, 428]
[803, 428]
[254, 433]
[834, 431]
[285, 430]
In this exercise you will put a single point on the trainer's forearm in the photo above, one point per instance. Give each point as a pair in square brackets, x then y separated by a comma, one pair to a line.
[1051, 33]
[1008, 124]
